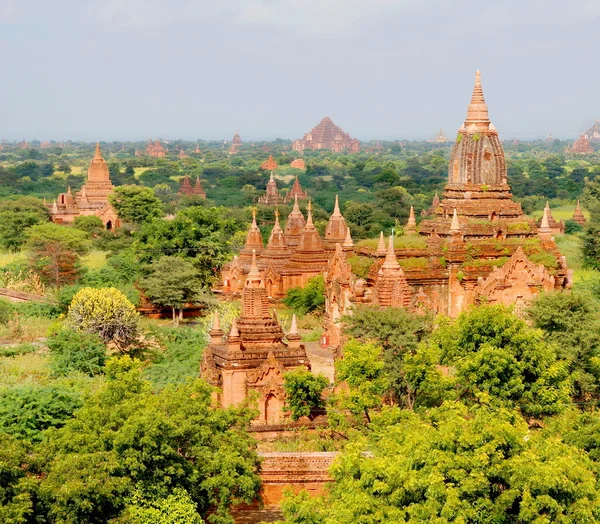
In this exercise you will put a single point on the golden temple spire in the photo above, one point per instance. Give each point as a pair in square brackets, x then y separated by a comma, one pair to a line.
[477, 113]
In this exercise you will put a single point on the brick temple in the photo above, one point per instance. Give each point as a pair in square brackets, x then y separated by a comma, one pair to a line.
[593, 133]
[326, 135]
[476, 246]
[255, 354]
[186, 187]
[293, 255]
[91, 199]
[155, 149]
[581, 145]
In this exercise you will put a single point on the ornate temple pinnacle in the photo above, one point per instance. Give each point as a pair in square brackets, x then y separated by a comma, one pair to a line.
[98, 152]
[455, 226]
[477, 113]
[336, 208]
[381, 250]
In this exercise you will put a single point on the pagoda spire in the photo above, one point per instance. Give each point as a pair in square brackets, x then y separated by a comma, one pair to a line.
[348, 242]
[309, 219]
[477, 113]
[381, 245]
[391, 262]
[411, 225]
[254, 273]
[98, 152]
[455, 226]
[336, 208]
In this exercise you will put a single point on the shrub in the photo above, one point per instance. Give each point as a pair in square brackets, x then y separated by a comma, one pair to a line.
[105, 312]
[71, 351]
[572, 227]
[26, 411]
[304, 392]
[6, 310]
[307, 299]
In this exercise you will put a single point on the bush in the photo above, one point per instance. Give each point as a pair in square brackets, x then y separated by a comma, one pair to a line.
[180, 359]
[304, 392]
[572, 227]
[26, 411]
[6, 311]
[105, 312]
[71, 351]
[309, 298]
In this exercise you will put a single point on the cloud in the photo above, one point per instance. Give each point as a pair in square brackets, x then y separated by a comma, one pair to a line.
[314, 16]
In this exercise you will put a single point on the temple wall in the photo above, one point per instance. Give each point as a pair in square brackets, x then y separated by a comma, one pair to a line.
[234, 387]
[298, 471]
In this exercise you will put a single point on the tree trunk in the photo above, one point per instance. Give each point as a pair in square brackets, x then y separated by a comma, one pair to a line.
[174, 316]
[180, 313]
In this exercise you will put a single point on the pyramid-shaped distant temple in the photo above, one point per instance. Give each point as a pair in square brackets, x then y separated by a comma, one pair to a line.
[91, 199]
[326, 135]
[593, 133]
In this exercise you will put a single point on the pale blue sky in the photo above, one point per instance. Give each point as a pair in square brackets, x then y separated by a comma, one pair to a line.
[387, 69]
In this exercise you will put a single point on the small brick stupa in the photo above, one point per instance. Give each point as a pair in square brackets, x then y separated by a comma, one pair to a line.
[296, 192]
[186, 187]
[294, 225]
[298, 163]
[578, 215]
[91, 199]
[326, 135]
[254, 356]
[337, 229]
[269, 164]
[271, 196]
[555, 226]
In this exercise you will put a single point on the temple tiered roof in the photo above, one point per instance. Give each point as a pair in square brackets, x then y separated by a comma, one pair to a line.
[336, 229]
[269, 164]
[91, 199]
[477, 181]
[578, 215]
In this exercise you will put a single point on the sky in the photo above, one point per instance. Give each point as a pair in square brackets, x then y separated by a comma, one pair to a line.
[381, 69]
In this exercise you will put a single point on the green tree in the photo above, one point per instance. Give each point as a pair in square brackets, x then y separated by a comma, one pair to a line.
[200, 234]
[304, 392]
[91, 224]
[72, 351]
[27, 410]
[496, 357]
[127, 438]
[363, 386]
[105, 312]
[454, 465]
[310, 298]
[136, 204]
[55, 251]
[16, 504]
[175, 508]
[18, 215]
[571, 321]
[399, 332]
[173, 282]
